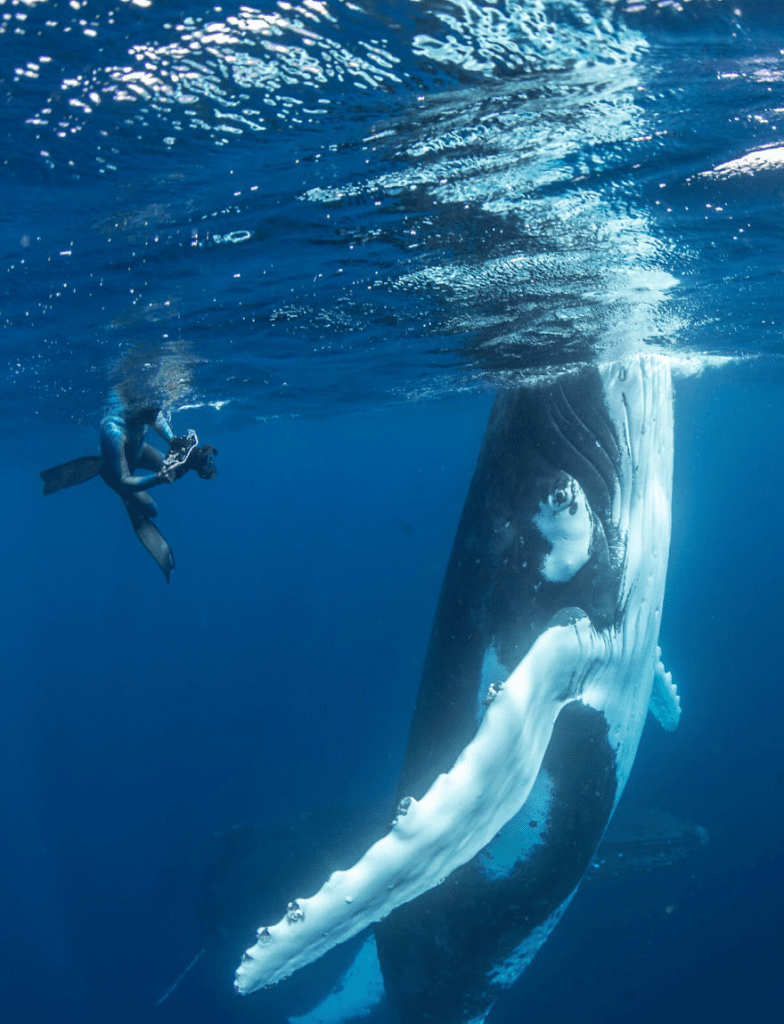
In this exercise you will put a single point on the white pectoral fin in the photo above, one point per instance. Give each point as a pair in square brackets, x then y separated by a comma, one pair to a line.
[460, 813]
[665, 705]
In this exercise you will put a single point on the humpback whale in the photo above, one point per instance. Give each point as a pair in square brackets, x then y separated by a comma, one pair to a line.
[542, 665]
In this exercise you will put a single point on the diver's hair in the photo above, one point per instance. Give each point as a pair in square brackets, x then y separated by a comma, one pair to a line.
[145, 414]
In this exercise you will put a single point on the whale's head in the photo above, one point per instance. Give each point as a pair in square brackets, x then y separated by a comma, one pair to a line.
[539, 517]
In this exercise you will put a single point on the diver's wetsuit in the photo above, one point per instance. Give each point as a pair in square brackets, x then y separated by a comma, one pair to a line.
[124, 450]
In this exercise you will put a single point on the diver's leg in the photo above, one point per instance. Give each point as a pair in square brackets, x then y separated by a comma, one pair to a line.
[114, 464]
[141, 504]
[116, 470]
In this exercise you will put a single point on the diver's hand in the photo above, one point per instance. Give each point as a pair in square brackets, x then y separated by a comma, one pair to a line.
[178, 460]
[182, 442]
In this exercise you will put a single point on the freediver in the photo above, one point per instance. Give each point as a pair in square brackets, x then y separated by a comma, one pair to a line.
[124, 450]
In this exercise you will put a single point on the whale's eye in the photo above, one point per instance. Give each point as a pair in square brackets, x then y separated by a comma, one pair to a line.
[560, 498]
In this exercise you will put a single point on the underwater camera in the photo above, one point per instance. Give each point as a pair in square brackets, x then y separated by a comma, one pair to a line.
[185, 453]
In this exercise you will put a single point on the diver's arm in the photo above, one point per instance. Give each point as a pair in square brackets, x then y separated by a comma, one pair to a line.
[140, 481]
[143, 482]
[162, 428]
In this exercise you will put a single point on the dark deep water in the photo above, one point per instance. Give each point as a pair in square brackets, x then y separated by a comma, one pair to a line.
[322, 234]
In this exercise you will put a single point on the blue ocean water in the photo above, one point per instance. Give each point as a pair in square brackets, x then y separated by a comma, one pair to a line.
[322, 234]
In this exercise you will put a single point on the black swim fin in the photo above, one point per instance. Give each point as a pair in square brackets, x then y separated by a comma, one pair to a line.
[77, 471]
[152, 538]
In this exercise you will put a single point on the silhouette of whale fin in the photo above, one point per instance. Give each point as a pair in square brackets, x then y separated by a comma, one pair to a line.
[77, 471]
[639, 840]
[152, 538]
